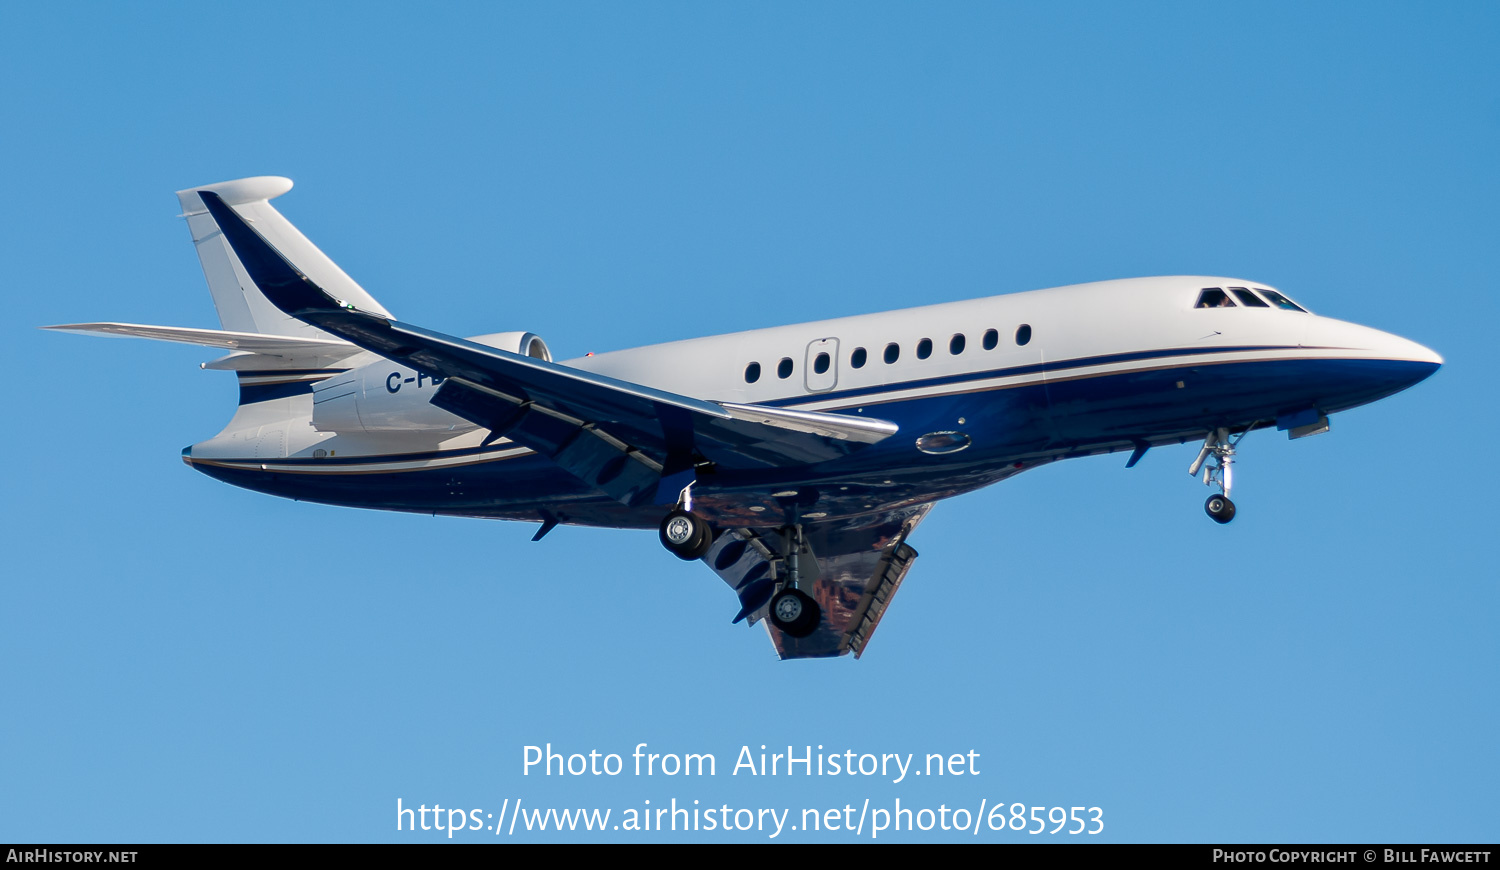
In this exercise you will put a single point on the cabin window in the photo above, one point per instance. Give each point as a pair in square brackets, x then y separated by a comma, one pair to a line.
[956, 344]
[857, 359]
[1023, 334]
[1281, 301]
[1250, 299]
[820, 365]
[924, 348]
[784, 368]
[892, 352]
[1213, 297]
[991, 338]
[752, 373]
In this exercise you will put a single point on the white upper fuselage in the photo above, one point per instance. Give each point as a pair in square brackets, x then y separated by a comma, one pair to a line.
[1104, 318]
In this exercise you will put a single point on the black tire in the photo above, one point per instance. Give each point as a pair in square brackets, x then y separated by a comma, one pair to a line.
[1220, 508]
[795, 613]
[704, 543]
[686, 536]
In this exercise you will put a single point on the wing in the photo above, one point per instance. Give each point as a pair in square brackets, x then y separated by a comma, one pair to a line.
[860, 565]
[634, 442]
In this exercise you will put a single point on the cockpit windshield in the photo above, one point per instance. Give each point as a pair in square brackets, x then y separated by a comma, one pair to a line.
[1213, 297]
[1250, 299]
[1281, 301]
[1216, 297]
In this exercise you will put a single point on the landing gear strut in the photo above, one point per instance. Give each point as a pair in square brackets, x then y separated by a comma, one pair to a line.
[685, 534]
[1216, 459]
[792, 610]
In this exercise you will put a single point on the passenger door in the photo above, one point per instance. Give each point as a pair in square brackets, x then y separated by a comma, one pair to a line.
[822, 365]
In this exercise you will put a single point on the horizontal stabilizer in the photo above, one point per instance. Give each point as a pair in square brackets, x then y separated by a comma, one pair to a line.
[254, 342]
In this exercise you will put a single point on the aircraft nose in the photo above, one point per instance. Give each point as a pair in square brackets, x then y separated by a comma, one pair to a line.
[1408, 361]
[1398, 349]
[1361, 364]
[1367, 342]
[1422, 353]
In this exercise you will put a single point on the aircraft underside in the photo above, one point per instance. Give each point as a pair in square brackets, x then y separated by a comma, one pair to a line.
[839, 529]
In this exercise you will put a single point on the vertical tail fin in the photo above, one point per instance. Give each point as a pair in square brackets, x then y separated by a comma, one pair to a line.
[241, 305]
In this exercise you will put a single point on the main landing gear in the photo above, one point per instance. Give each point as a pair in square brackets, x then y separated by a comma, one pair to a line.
[1217, 461]
[792, 610]
[688, 537]
[683, 532]
[795, 612]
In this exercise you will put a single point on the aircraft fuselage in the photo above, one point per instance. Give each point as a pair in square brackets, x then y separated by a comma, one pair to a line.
[980, 389]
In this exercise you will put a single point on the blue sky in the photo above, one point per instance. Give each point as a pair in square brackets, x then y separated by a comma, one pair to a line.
[183, 661]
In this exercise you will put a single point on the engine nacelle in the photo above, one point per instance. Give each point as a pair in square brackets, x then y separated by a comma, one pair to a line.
[385, 396]
[523, 343]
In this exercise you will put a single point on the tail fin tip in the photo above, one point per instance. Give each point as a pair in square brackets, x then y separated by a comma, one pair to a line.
[236, 192]
[243, 306]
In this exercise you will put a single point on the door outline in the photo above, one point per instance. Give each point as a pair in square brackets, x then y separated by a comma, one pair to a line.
[821, 383]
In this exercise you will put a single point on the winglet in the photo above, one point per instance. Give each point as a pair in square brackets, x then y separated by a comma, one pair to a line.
[281, 282]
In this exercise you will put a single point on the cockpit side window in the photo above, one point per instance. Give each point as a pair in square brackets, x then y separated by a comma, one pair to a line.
[1281, 301]
[1213, 297]
[1250, 299]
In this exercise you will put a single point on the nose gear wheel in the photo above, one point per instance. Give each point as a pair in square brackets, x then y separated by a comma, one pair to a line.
[1220, 508]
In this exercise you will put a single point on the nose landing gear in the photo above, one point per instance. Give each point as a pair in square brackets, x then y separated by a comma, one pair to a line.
[1216, 459]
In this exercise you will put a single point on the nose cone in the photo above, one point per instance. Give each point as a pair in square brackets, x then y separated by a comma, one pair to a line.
[1398, 349]
[1408, 360]
[1422, 353]
[1362, 341]
[1371, 364]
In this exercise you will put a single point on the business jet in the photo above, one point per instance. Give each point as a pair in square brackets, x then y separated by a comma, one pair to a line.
[794, 461]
